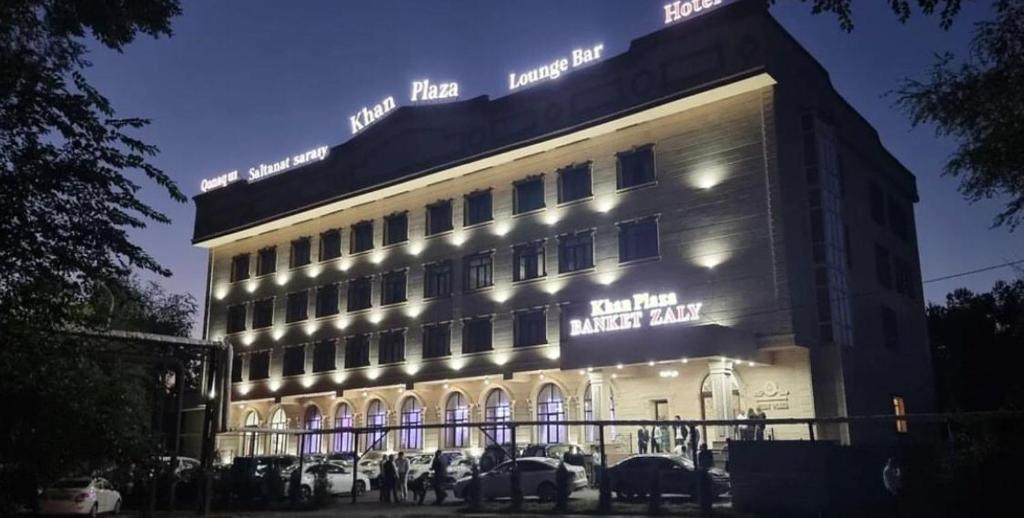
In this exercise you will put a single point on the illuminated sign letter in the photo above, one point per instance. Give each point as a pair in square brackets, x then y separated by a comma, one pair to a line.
[680, 9]
[426, 91]
[616, 315]
[367, 116]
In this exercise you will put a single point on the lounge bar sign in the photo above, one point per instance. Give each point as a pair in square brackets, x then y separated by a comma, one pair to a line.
[639, 311]
[556, 68]
[683, 9]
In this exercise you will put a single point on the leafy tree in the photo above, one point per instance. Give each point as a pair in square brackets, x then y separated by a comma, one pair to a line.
[903, 9]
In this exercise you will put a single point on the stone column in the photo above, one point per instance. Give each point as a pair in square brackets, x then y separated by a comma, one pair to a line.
[720, 378]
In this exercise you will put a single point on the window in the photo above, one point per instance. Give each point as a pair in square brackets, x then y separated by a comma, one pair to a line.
[236, 318]
[300, 252]
[345, 441]
[479, 270]
[327, 300]
[391, 348]
[392, 288]
[890, 329]
[266, 261]
[497, 409]
[576, 251]
[262, 313]
[528, 195]
[330, 245]
[638, 239]
[362, 237]
[437, 340]
[898, 220]
[236, 368]
[313, 420]
[239, 267]
[278, 441]
[294, 361]
[477, 208]
[456, 411]
[588, 413]
[528, 261]
[259, 366]
[412, 415]
[359, 293]
[439, 217]
[298, 307]
[899, 408]
[376, 417]
[635, 167]
[437, 280]
[551, 408]
[903, 278]
[877, 199]
[476, 335]
[396, 229]
[882, 267]
[574, 183]
[530, 328]
[324, 353]
[357, 351]
[251, 445]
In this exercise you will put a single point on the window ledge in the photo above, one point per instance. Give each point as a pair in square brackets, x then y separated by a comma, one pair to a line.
[651, 183]
[641, 260]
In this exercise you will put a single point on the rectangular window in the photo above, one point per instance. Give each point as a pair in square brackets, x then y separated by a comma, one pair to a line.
[294, 361]
[236, 368]
[439, 217]
[357, 351]
[635, 167]
[259, 365]
[882, 267]
[236, 318]
[477, 208]
[638, 239]
[899, 409]
[391, 348]
[476, 335]
[574, 183]
[298, 307]
[362, 237]
[300, 252]
[392, 288]
[437, 339]
[903, 278]
[239, 267]
[437, 281]
[330, 245]
[266, 261]
[890, 329]
[359, 293]
[530, 328]
[396, 229]
[528, 195]
[898, 221]
[262, 313]
[324, 353]
[877, 199]
[528, 261]
[327, 300]
[479, 271]
[576, 251]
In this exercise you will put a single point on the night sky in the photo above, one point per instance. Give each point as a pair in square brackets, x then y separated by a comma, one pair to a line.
[244, 82]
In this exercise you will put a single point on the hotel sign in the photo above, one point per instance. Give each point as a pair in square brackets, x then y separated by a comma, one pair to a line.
[682, 9]
[556, 68]
[639, 311]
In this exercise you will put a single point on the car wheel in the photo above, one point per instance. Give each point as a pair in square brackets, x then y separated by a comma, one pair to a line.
[360, 487]
[546, 492]
[117, 507]
[95, 510]
[306, 492]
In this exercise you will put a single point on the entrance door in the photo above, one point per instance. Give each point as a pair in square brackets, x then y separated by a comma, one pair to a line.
[719, 399]
[659, 435]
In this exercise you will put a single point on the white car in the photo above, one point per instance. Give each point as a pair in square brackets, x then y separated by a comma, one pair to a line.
[419, 464]
[339, 479]
[536, 476]
[91, 496]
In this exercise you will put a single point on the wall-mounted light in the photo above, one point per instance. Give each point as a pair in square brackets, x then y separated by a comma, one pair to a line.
[378, 256]
[248, 338]
[274, 385]
[341, 322]
[456, 363]
[711, 253]
[500, 358]
[373, 373]
[250, 285]
[311, 327]
[707, 176]
[278, 332]
[282, 278]
[345, 263]
[314, 270]
[376, 316]
[553, 286]
[339, 378]
[553, 352]
[552, 215]
[307, 381]
[605, 203]
[501, 294]
[457, 237]
[413, 309]
[415, 247]
[502, 227]
[619, 366]
[221, 291]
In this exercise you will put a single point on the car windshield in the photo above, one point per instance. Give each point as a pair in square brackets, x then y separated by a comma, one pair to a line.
[72, 483]
[558, 451]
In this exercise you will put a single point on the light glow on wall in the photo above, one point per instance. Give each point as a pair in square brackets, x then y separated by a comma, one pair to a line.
[502, 227]
[278, 332]
[250, 285]
[457, 237]
[373, 373]
[416, 247]
[414, 309]
[282, 278]
[553, 286]
[378, 256]
[307, 381]
[376, 316]
[553, 352]
[501, 294]
[457, 363]
[606, 202]
[248, 338]
[221, 291]
[708, 176]
[344, 264]
[314, 270]
[311, 327]
[710, 254]
[500, 358]
[552, 216]
[341, 322]
[412, 367]
[274, 384]
[339, 377]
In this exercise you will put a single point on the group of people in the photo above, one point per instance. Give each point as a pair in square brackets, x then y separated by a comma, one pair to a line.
[753, 431]
[665, 439]
[395, 483]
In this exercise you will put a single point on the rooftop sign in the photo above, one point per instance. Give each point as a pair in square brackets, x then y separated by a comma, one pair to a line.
[369, 115]
[209, 184]
[682, 9]
[426, 91]
[556, 68]
[264, 170]
[639, 311]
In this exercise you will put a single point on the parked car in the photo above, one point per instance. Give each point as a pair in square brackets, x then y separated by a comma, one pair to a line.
[339, 479]
[570, 453]
[459, 465]
[89, 496]
[633, 478]
[536, 476]
[419, 464]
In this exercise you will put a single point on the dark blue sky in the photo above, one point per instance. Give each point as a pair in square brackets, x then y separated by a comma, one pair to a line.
[244, 82]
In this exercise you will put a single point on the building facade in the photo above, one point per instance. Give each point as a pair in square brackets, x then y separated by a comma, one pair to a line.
[694, 228]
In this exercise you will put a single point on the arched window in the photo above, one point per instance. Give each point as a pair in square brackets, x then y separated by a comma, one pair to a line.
[278, 441]
[588, 413]
[456, 411]
[497, 409]
[376, 417]
[251, 445]
[412, 415]
[551, 408]
[343, 442]
[313, 421]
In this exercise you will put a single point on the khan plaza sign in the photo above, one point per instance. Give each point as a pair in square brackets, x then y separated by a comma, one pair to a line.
[639, 311]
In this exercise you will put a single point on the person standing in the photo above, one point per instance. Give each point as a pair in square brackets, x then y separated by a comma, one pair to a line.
[741, 428]
[641, 440]
[665, 438]
[388, 478]
[679, 430]
[761, 424]
[402, 467]
[440, 469]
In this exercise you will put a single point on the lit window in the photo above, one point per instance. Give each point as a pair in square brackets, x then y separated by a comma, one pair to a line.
[497, 409]
[239, 267]
[330, 245]
[900, 409]
[392, 287]
[391, 347]
[638, 239]
[528, 261]
[278, 441]
[588, 413]
[529, 195]
[551, 409]
[300, 252]
[345, 441]
[439, 217]
[477, 208]
[635, 167]
[530, 328]
[437, 340]
[456, 411]
[313, 421]
[376, 417]
[575, 251]
[396, 229]
[479, 271]
[574, 183]
[252, 443]
[476, 335]
[266, 261]
[298, 307]
[360, 293]
[437, 279]
[412, 415]
[362, 237]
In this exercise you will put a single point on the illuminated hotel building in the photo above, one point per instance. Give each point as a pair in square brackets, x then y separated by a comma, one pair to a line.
[695, 227]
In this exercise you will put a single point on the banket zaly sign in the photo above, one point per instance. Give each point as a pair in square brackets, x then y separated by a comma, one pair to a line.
[639, 311]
